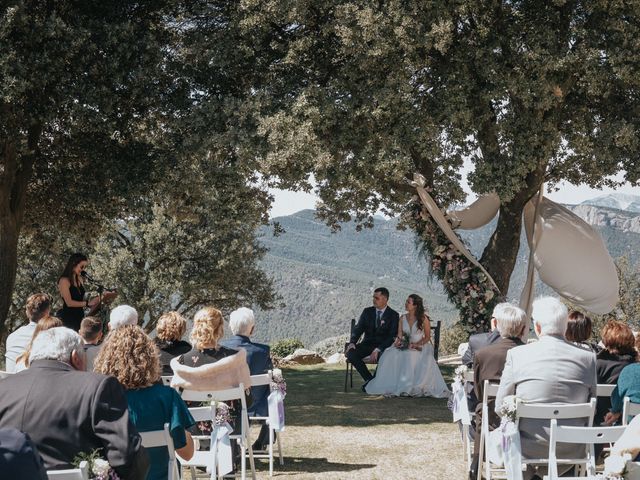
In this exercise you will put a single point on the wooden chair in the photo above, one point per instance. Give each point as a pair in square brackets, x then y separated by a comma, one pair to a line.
[490, 390]
[265, 379]
[162, 438]
[348, 374]
[200, 458]
[629, 409]
[588, 436]
[467, 446]
[550, 411]
[80, 473]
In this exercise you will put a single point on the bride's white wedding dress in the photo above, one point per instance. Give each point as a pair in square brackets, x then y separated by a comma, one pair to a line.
[409, 372]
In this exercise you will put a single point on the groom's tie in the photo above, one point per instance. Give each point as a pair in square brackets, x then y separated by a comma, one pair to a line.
[378, 316]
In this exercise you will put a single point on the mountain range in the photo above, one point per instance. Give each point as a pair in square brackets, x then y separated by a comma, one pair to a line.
[325, 278]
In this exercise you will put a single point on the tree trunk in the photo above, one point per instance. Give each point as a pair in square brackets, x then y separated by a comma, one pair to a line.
[500, 254]
[15, 174]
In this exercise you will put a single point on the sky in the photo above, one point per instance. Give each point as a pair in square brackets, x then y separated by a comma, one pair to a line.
[288, 202]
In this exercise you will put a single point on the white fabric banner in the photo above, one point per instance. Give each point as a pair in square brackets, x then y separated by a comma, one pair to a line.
[220, 451]
[276, 411]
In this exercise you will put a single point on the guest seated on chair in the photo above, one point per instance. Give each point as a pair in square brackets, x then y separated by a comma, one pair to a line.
[488, 363]
[130, 355]
[618, 352]
[22, 362]
[242, 323]
[579, 328]
[628, 385]
[91, 333]
[210, 366]
[169, 332]
[66, 410]
[379, 324]
[551, 370]
[122, 315]
[38, 306]
[479, 341]
[19, 457]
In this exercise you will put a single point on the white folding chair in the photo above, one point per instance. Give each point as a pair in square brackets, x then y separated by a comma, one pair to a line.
[200, 458]
[265, 379]
[162, 438]
[80, 473]
[550, 411]
[490, 390]
[5, 374]
[629, 409]
[166, 380]
[604, 390]
[588, 436]
[467, 446]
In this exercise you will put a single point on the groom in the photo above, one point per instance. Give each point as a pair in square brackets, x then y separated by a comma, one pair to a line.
[380, 326]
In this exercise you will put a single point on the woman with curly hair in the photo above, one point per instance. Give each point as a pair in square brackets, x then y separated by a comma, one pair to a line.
[210, 366]
[169, 331]
[131, 356]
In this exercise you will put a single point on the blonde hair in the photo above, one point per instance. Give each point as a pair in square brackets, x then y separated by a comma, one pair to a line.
[208, 328]
[170, 327]
[131, 356]
[43, 324]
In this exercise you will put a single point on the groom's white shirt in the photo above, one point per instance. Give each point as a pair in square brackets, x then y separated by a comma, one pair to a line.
[551, 370]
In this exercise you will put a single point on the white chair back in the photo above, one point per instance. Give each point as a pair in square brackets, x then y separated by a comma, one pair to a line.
[489, 390]
[162, 438]
[546, 411]
[80, 473]
[629, 409]
[468, 376]
[581, 435]
[604, 390]
[236, 393]
[5, 374]
[263, 379]
[208, 414]
[166, 380]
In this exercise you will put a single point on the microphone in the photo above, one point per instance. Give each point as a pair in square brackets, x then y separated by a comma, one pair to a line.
[86, 275]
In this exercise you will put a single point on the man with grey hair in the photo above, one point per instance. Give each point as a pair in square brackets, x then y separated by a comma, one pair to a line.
[488, 363]
[66, 410]
[551, 370]
[122, 315]
[242, 323]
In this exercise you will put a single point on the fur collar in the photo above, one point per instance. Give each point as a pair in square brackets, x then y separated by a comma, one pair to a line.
[227, 372]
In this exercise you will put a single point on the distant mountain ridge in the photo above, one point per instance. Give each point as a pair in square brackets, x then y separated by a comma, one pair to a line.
[618, 201]
[326, 279]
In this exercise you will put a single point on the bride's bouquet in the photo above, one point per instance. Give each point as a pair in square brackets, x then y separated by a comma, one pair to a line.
[405, 341]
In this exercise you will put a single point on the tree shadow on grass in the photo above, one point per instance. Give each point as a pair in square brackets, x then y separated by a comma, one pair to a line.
[315, 396]
[294, 465]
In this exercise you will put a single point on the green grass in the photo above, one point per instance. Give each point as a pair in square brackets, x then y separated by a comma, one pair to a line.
[331, 434]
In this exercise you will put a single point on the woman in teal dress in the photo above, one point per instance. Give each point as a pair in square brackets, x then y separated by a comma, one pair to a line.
[132, 357]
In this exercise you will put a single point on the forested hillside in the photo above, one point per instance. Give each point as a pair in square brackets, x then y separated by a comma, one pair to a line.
[326, 279]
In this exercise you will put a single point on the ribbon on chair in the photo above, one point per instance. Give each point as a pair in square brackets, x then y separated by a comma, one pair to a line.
[511, 449]
[460, 407]
[221, 451]
[275, 401]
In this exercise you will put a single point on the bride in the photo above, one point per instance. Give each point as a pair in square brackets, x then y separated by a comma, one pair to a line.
[410, 369]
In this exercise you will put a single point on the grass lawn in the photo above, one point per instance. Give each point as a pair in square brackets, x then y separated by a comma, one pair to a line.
[335, 435]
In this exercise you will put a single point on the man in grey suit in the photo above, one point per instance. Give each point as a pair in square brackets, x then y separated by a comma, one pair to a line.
[551, 370]
[66, 410]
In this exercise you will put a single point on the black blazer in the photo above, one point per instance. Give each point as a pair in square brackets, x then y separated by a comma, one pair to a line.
[477, 342]
[379, 336]
[66, 412]
[259, 361]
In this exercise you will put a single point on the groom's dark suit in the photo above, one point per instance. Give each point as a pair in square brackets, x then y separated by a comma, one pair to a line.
[377, 334]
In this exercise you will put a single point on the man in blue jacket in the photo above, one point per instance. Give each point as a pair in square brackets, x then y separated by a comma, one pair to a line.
[242, 323]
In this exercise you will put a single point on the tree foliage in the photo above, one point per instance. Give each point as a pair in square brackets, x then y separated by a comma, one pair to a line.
[529, 92]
